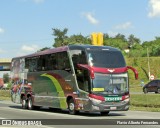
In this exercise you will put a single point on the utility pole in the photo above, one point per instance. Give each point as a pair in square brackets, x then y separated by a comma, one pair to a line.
[148, 64]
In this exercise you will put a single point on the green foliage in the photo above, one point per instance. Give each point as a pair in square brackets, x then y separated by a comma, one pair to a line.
[132, 40]
[4, 93]
[6, 78]
[9, 85]
[137, 49]
[141, 65]
[78, 39]
[42, 49]
[60, 36]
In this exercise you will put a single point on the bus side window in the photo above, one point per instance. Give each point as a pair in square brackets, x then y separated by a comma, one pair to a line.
[52, 64]
[27, 63]
[63, 61]
[43, 63]
[32, 64]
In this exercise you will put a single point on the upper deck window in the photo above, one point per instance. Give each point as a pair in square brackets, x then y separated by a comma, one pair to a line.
[106, 58]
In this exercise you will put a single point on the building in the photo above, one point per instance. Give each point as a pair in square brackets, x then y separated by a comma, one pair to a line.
[4, 68]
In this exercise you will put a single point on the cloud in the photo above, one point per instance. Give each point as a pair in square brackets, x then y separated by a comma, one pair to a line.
[154, 7]
[1, 30]
[27, 49]
[90, 17]
[112, 34]
[124, 26]
[31, 48]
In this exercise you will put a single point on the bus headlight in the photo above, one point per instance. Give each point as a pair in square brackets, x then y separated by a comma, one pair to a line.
[126, 100]
[95, 101]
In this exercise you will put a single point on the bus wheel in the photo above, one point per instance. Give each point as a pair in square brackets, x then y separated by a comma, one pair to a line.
[24, 103]
[30, 103]
[105, 113]
[71, 107]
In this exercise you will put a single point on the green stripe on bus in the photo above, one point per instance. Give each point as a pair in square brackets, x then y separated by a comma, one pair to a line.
[59, 89]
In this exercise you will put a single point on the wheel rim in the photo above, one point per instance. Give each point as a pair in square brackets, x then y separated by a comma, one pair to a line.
[71, 106]
[23, 103]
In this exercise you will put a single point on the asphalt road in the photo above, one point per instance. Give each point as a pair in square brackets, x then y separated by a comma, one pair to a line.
[9, 110]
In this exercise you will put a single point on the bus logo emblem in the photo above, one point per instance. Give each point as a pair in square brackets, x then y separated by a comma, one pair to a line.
[111, 70]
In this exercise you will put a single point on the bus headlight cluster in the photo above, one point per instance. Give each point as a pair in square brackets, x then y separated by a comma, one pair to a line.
[95, 101]
[126, 100]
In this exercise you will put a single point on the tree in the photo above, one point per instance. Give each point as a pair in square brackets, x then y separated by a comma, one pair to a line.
[132, 40]
[105, 36]
[153, 46]
[6, 78]
[78, 39]
[121, 36]
[118, 41]
[60, 37]
[42, 49]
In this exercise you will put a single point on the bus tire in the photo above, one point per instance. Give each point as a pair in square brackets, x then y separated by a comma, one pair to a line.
[71, 107]
[55, 109]
[30, 104]
[105, 113]
[24, 103]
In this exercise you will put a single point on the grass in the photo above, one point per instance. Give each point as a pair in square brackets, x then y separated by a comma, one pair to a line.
[5, 95]
[5, 98]
[136, 89]
[145, 102]
[148, 109]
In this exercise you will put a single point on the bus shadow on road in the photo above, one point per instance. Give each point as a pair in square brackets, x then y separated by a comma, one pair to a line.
[59, 111]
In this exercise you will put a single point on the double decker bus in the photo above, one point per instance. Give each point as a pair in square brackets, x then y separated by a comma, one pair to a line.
[75, 77]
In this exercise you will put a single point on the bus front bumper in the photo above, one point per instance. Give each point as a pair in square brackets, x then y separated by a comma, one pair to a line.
[110, 106]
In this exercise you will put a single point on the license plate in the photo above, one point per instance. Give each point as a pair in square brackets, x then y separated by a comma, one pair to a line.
[113, 108]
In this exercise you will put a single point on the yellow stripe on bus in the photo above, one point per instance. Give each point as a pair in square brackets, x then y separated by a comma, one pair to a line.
[59, 89]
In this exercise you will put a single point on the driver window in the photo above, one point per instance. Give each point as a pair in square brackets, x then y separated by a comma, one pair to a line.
[83, 80]
[78, 57]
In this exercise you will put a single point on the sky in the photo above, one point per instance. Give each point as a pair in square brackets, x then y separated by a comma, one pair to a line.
[26, 25]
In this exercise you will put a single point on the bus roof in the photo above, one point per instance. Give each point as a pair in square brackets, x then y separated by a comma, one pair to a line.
[66, 48]
[92, 47]
[48, 51]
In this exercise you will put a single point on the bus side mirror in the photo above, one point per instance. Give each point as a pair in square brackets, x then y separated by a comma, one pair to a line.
[134, 70]
[87, 67]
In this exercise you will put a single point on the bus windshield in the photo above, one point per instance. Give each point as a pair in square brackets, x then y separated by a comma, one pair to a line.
[110, 83]
[105, 58]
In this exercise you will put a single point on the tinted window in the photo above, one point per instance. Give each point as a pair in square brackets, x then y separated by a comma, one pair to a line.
[55, 61]
[106, 59]
[78, 57]
[31, 64]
